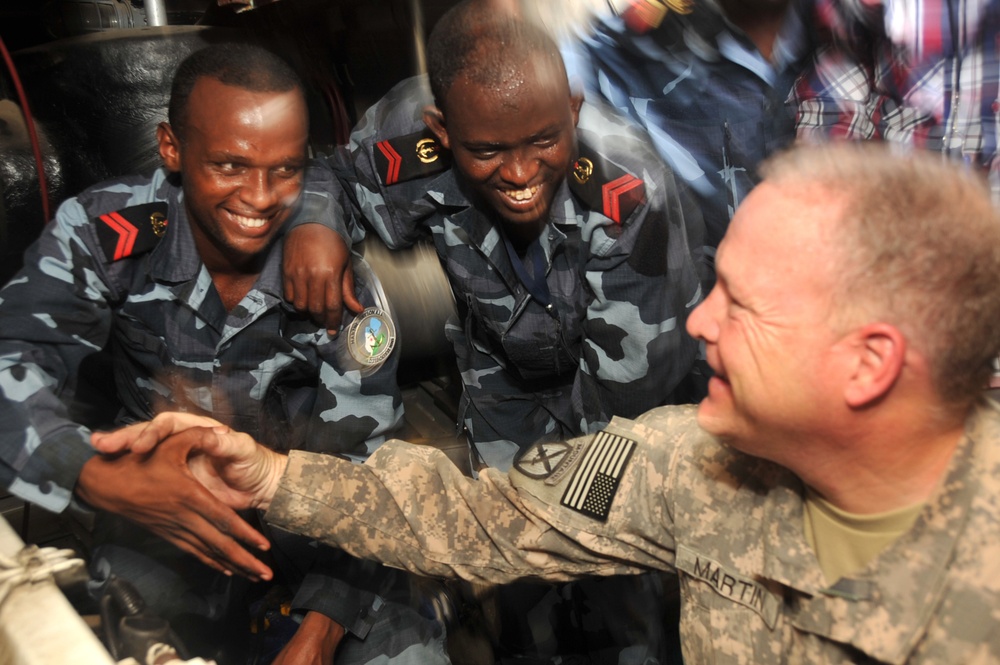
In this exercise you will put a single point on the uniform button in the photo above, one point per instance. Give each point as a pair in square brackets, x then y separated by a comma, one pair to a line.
[46, 487]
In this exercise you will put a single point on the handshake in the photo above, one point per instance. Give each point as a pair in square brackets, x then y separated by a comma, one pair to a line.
[214, 471]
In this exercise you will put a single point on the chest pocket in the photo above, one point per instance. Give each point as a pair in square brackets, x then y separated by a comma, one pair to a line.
[142, 371]
[723, 609]
[501, 318]
[530, 342]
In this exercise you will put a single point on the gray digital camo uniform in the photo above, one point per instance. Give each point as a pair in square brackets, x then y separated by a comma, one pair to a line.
[262, 368]
[614, 342]
[666, 495]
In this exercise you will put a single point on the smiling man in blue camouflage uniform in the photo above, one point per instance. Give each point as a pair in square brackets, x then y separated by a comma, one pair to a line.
[569, 251]
[566, 241]
[835, 497]
[179, 275]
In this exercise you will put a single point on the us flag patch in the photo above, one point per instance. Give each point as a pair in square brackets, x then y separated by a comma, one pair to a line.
[596, 479]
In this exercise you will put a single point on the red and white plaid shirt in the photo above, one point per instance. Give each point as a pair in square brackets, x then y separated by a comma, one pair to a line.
[920, 73]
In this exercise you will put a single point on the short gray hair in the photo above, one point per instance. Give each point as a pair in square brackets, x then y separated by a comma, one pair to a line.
[920, 249]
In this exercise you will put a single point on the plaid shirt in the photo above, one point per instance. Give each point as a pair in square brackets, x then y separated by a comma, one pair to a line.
[920, 73]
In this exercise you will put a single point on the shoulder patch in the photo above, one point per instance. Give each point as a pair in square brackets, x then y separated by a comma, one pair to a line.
[593, 486]
[131, 231]
[410, 157]
[604, 186]
[542, 460]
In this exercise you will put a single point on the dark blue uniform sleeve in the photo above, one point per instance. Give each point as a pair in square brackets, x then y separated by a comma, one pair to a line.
[54, 314]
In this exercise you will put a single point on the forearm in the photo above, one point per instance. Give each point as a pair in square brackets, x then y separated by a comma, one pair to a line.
[343, 589]
[411, 508]
[353, 414]
[325, 202]
[41, 469]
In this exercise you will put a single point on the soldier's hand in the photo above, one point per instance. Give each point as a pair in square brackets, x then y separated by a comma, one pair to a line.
[314, 643]
[143, 437]
[235, 468]
[318, 278]
[158, 491]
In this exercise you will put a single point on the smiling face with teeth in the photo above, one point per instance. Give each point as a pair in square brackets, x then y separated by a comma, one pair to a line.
[512, 139]
[241, 159]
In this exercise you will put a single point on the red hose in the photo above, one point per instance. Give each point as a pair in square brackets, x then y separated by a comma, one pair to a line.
[36, 148]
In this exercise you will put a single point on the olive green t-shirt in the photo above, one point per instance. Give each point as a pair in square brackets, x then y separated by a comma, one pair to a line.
[844, 542]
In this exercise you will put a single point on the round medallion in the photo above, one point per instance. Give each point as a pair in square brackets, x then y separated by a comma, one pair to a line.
[371, 336]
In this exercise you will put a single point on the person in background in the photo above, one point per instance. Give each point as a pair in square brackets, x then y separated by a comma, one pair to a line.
[707, 79]
[917, 75]
[910, 73]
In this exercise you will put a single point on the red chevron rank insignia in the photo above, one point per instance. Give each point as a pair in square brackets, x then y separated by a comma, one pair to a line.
[131, 231]
[410, 157]
[623, 193]
[394, 161]
[604, 186]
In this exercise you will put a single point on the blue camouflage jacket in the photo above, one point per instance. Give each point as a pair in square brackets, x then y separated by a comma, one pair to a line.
[714, 107]
[262, 368]
[618, 261]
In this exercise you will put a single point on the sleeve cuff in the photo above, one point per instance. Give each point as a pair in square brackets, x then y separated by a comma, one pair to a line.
[354, 609]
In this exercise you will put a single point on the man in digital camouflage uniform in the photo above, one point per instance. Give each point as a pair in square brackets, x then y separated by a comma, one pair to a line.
[180, 273]
[835, 497]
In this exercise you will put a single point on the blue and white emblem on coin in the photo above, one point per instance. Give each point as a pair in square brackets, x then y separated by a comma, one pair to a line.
[371, 337]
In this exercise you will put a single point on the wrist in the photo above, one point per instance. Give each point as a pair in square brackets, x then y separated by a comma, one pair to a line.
[274, 468]
[326, 631]
[92, 478]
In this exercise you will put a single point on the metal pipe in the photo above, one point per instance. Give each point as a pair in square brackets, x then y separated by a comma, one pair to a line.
[419, 46]
[156, 12]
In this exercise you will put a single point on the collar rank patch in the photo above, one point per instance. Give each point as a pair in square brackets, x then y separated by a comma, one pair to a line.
[594, 484]
[131, 231]
[410, 157]
[542, 459]
[605, 186]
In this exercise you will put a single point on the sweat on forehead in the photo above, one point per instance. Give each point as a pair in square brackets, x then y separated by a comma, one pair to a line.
[240, 65]
[489, 49]
[510, 80]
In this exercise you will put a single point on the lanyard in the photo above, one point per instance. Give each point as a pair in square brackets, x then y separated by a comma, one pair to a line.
[535, 283]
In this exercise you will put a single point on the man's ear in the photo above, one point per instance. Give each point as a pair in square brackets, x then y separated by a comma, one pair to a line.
[881, 356]
[575, 102]
[434, 119]
[170, 147]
